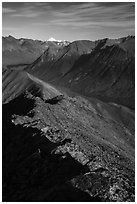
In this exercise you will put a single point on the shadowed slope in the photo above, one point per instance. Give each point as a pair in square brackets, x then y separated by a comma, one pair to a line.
[107, 72]
[55, 63]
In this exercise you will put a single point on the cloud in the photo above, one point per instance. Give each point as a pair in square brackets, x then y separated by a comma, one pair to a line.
[24, 10]
[94, 15]
[26, 15]
[84, 17]
[114, 4]
[78, 12]
[8, 10]
[10, 28]
[36, 4]
[28, 12]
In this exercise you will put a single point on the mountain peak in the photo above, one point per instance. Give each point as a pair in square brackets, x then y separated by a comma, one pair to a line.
[52, 39]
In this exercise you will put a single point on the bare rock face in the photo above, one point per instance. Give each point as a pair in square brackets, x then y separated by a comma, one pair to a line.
[59, 145]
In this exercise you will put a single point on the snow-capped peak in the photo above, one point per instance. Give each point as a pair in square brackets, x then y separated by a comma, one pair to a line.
[52, 39]
[59, 42]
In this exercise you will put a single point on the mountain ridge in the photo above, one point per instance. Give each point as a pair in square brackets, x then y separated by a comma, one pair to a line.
[69, 122]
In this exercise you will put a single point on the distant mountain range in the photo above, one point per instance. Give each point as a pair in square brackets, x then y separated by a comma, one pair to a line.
[102, 68]
[25, 51]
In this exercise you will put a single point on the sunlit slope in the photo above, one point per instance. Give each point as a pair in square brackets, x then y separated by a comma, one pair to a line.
[17, 82]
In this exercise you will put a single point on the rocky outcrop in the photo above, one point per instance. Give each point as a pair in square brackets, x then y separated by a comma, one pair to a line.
[67, 151]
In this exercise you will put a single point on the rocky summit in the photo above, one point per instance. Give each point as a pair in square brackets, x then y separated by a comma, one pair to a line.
[68, 120]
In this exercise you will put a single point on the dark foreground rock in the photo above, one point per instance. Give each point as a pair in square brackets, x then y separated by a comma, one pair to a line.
[70, 150]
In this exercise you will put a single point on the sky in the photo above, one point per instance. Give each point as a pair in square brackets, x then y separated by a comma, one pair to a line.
[68, 20]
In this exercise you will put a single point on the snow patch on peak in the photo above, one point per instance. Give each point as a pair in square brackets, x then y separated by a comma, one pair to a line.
[59, 42]
[52, 39]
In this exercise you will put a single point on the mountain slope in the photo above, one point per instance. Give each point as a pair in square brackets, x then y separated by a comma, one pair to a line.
[24, 51]
[20, 51]
[17, 82]
[56, 63]
[104, 69]
[108, 74]
[72, 149]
